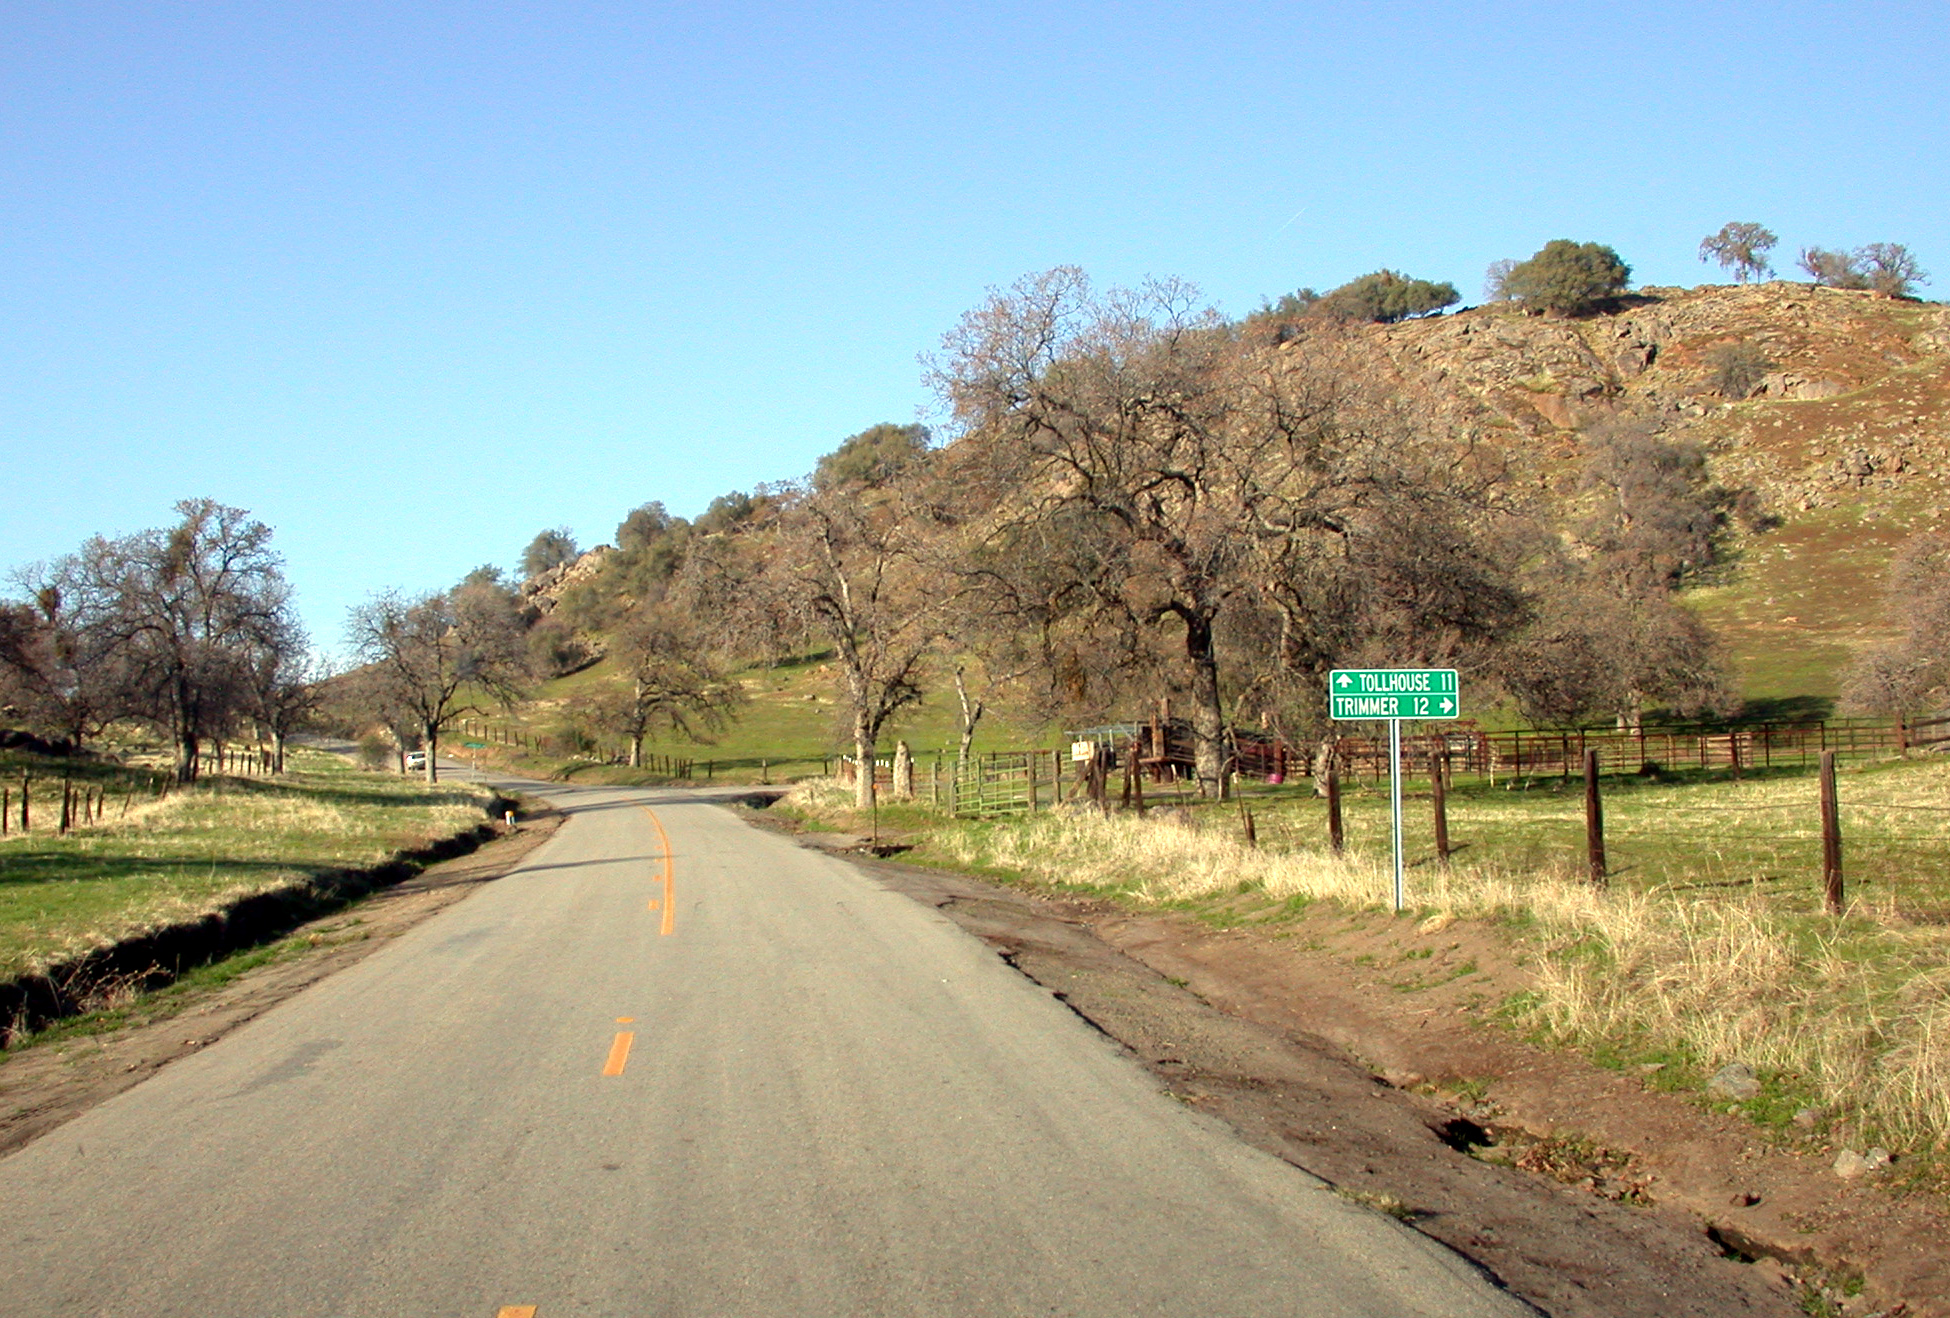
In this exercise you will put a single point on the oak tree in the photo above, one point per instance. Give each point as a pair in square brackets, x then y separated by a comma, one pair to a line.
[1741, 248]
[438, 656]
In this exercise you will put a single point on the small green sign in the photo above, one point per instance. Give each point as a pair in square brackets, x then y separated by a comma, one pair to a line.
[473, 745]
[1393, 693]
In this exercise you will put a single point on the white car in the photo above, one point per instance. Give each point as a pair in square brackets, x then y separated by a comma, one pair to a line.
[415, 760]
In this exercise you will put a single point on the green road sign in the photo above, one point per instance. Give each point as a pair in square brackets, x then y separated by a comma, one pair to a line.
[474, 745]
[1393, 693]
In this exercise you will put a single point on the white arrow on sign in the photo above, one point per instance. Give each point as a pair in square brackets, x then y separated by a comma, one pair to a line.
[1344, 681]
[1447, 704]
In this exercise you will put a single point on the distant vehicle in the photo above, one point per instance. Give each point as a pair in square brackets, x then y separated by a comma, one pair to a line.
[415, 760]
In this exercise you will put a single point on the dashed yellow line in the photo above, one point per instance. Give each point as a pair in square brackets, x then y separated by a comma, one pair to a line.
[619, 1053]
[515, 1311]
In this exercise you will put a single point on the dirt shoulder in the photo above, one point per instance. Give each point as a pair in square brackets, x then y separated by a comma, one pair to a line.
[55, 1080]
[1354, 1047]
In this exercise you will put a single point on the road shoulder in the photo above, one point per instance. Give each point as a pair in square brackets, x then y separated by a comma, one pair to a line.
[1313, 1102]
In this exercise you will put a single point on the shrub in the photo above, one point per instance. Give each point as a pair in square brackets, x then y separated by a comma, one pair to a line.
[1736, 369]
[1385, 297]
[1890, 269]
[1887, 268]
[1569, 277]
[1833, 269]
[548, 550]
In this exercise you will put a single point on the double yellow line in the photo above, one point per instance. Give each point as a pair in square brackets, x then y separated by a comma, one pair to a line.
[669, 900]
[619, 1048]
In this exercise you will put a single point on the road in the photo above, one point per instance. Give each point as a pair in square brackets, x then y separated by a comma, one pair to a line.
[675, 1065]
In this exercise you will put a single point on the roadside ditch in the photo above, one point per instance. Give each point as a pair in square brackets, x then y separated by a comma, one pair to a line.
[116, 1017]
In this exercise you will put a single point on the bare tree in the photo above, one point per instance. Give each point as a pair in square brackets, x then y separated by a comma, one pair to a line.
[674, 682]
[835, 565]
[1610, 632]
[58, 677]
[1154, 484]
[1890, 269]
[439, 656]
[1911, 673]
[183, 609]
[1741, 248]
[1887, 268]
[285, 687]
[845, 558]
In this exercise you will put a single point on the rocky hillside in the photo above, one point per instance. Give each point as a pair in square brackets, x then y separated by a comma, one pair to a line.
[1844, 442]
[1846, 439]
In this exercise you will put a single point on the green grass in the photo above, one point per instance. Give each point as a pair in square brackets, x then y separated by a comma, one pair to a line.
[1698, 834]
[790, 723]
[136, 1007]
[163, 861]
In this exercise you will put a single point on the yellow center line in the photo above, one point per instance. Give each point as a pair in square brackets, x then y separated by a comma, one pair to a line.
[669, 902]
[619, 1053]
[515, 1311]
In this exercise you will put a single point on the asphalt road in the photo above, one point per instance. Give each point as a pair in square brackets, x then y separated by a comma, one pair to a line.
[722, 1075]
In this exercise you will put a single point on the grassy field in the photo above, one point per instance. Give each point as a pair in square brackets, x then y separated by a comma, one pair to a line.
[788, 725]
[1708, 947]
[1689, 833]
[150, 862]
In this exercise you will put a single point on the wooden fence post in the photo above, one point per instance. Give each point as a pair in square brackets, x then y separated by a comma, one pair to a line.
[1438, 790]
[1831, 837]
[1336, 838]
[1029, 762]
[1252, 834]
[26, 794]
[1594, 821]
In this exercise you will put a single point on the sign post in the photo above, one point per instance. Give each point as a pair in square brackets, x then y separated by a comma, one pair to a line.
[1394, 694]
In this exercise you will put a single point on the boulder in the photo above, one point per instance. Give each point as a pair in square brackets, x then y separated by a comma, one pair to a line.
[1735, 1081]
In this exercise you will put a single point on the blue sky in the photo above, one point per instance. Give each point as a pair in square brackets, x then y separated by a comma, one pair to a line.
[414, 281]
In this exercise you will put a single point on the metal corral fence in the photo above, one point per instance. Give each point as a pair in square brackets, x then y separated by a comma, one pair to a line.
[1540, 754]
[1018, 781]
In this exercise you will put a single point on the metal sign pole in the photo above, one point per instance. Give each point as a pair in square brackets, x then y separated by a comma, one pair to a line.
[1395, 798]
[1393, 694]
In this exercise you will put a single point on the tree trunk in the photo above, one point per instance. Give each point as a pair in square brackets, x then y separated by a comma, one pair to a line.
[1208, 714]
[277, 752]
[1323, 761]
[971, 714]
[903, 771]
[636, 749]
[187, 751]
[433, 752]
[863, 761]
[1632, 717]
